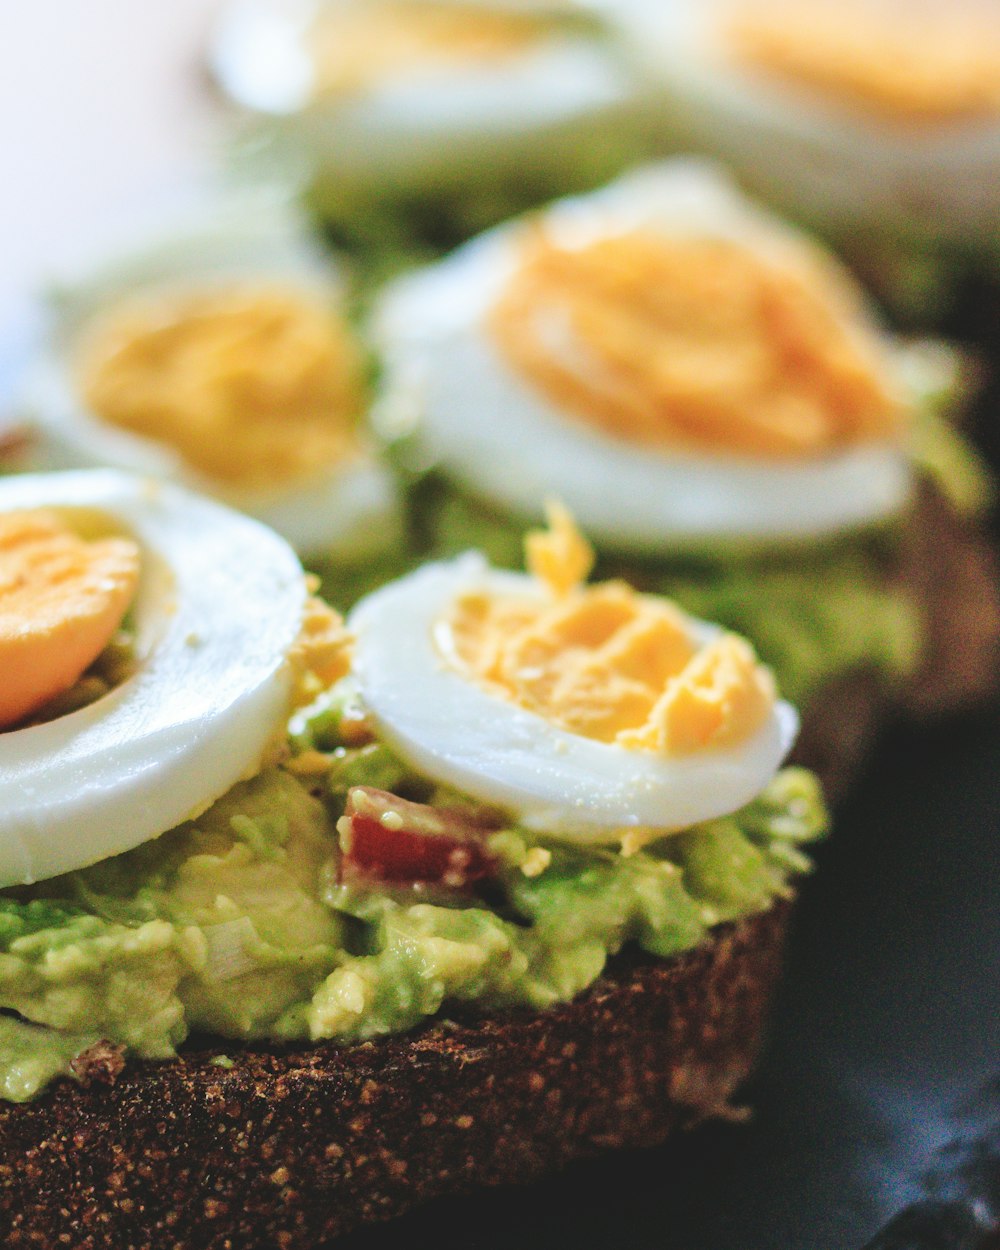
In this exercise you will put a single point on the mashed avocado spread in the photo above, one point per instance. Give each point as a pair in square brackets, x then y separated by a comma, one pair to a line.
[251, 923]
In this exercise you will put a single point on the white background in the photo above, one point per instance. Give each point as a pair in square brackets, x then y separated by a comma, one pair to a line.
[105, 110]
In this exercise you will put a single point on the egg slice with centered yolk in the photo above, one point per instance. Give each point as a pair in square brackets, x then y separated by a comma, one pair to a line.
[217, 610]
[672, 362]
[221, 356]
[883, 114]
[402, 95]
[583, 710]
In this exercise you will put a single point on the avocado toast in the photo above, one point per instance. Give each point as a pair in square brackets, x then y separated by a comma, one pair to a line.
[405, 936]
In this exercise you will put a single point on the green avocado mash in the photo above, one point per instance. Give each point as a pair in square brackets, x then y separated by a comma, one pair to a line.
[389, 226]
[242, 924]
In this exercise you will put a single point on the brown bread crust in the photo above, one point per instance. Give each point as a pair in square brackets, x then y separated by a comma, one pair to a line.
[950, 566]
[289, 1148]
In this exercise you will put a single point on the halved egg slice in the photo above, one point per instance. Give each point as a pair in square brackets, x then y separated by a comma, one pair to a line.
[221, 356]
[216, 605]
[387, 99]
[879, 114]
[676, 365]
[584, 710]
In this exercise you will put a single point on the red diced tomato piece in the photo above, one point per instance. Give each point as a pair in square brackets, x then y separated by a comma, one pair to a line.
[391, 839]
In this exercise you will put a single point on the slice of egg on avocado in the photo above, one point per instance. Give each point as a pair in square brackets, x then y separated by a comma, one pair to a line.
[675, 364]
[417, 96]
[217, 604]
[219, 355]
[586, 711]
[881, 114]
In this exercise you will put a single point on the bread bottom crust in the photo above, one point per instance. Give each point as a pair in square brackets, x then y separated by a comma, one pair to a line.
[288, 1148]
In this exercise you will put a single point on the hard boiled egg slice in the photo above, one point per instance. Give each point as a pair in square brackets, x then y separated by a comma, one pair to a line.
[881, 114]
[671, 361]
[419, 95]
[221, 357]
[218, 609]
[584, 711]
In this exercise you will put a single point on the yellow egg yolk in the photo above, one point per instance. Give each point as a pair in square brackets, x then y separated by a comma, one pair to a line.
[697, 343]
[322, 652]
[358, 46]
[906, 60]
[62, 598]
[604, 662]
[253, 386]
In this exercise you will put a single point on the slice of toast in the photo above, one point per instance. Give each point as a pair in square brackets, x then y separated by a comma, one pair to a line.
[290, 1147]
[258, 1147]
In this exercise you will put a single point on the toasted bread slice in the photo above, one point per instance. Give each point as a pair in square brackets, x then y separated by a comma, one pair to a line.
[289, 1147]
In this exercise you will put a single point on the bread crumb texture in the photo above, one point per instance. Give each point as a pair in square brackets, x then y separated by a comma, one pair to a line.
[293, 1147]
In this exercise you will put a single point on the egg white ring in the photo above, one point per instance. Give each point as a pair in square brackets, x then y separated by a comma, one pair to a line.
[220, 238]
[219, 606]
[841, 165]
[348, 515]
[340, 513]
[553, 781]
[447, 385]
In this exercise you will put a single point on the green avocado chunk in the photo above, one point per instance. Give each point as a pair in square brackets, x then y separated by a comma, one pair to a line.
[31, 1057]
[241, 923]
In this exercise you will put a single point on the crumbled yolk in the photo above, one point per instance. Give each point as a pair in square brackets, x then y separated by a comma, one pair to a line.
[559, 556]
[357, 46]
[253, 385]
[606, 663]
[62, 598]
[910, 61]
[322, 652]
[698, 343]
